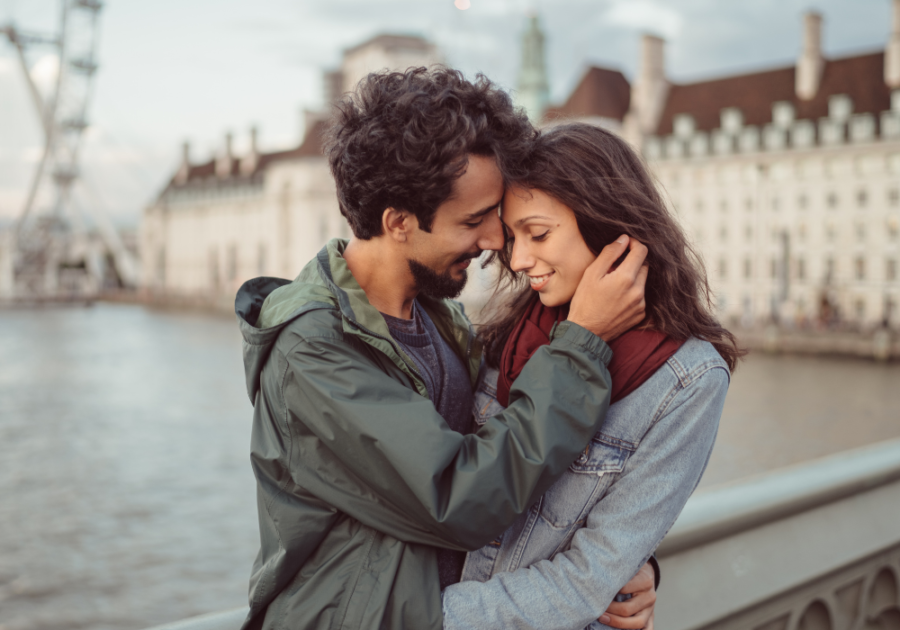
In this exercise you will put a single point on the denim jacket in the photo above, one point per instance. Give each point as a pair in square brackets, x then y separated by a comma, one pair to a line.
[562, 562]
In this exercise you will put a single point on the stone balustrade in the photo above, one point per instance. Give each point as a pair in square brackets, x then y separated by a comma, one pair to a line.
[812, 547]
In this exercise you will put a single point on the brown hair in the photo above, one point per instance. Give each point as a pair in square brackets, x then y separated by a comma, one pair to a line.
[402, 138]
[608, 187]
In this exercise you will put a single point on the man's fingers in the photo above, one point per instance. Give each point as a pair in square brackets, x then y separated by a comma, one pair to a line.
[633, 262]
[637, 622]
[642, 602]
[609, 255]
[641, 279]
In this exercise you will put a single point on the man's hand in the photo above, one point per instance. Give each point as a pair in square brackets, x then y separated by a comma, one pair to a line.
[610, 302]
[636, 612]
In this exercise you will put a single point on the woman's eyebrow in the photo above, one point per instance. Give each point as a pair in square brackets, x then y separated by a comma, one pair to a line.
[534, 216]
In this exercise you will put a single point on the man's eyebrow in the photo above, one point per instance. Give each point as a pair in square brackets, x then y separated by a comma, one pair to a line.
[482, 212]
[534, 216]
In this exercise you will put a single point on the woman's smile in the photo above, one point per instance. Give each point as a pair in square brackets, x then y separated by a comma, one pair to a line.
[539, 282]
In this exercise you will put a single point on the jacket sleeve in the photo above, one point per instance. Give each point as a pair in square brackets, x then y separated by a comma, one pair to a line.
[379, 452]
[621, 532]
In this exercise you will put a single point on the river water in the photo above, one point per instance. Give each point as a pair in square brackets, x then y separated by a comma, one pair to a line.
[126, 497]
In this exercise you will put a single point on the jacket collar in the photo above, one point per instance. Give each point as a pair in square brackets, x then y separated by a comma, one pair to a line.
[448, 316]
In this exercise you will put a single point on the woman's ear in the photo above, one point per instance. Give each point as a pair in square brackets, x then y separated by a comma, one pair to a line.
[397, 224]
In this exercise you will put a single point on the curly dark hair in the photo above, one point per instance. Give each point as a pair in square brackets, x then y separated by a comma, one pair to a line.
[598, 175]
[402, 138]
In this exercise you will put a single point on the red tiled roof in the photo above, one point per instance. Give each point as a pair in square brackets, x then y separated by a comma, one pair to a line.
[860, 77]
[310, 147]
[601, 92]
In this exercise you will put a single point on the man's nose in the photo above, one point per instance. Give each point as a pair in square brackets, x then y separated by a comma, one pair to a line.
[491, 236]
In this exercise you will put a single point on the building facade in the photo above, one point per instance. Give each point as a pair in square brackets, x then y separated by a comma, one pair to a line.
[786, 180]
[219, 223]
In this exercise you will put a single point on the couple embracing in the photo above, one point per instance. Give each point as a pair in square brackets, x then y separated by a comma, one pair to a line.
[413, 473]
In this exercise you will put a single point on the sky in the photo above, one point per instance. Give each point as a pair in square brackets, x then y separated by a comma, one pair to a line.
[176, 70]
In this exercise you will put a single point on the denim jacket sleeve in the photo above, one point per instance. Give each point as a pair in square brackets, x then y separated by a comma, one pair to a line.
[622, 529]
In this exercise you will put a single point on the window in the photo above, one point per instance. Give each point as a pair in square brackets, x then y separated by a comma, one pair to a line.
[801, 269]
[723, 233]
[801, 232]
[699, 206]
[830, 232]
[776, 204]
[723, 206]
[893, 226]
[862, 198]
[861, 231]
[859, 266]
[748, 268]
[893, 197]
[748, 232]
[829, 268]
[860, 310]
[802, 202]
[891, 270]
[232, 262]
[831, 201]
[773, 268]
[214, 266]
[748, 204]
[723, 268]
[261, 259]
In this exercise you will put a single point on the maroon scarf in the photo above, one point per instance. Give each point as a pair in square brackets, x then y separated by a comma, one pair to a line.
[637, 354]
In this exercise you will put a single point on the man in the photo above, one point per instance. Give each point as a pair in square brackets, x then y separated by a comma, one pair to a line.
[370, 485]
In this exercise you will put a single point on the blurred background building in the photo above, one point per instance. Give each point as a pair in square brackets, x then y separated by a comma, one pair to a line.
[786, 180]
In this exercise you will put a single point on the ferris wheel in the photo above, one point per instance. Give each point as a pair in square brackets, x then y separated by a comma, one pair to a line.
[49, 233]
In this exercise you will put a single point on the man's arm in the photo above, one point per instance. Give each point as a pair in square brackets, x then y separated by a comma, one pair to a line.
[622, 530]
[371, 447]
[377, 451]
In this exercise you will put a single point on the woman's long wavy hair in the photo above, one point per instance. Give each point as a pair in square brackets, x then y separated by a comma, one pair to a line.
[608, 187]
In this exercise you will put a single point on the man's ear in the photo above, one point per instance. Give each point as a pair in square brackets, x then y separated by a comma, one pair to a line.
[397, 224]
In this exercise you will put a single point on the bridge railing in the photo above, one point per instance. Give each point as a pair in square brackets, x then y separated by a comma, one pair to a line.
[815, 546]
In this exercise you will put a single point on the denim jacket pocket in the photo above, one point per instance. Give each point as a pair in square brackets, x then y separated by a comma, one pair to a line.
[486, 404]
[568, 501]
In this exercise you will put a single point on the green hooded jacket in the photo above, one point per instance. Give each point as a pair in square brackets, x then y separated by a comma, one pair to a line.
[359, 478]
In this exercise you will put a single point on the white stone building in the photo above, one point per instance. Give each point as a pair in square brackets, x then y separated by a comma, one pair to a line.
[787, 180]
[219, 223]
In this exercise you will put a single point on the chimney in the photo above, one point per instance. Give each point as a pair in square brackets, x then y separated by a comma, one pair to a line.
[181, 176]
[225, 160]
[249, 161]
[892, 51]
[811, 63]
[649, 92]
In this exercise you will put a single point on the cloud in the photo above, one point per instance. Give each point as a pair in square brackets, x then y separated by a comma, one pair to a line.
[645, 15]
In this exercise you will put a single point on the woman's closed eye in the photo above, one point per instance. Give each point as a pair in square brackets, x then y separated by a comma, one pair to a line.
[540, 237]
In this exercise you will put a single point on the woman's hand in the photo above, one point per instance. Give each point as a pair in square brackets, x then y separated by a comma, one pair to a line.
[610, 301]
[637, 612]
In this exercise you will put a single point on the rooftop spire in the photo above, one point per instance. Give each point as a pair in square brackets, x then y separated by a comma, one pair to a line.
[533, 92]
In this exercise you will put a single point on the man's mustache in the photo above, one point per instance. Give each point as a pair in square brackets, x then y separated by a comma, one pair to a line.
[468, 256]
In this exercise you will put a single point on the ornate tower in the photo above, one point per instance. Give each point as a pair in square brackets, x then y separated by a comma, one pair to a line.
[532, 90]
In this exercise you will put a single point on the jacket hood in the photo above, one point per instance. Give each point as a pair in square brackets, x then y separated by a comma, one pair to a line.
[264, 306]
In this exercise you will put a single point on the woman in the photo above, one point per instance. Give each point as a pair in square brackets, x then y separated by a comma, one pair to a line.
[561, 564]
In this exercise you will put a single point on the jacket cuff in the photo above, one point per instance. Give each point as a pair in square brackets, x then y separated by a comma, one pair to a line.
[656, 572]
[570, 332]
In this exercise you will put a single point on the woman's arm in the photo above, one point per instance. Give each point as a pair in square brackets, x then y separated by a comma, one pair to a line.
[622, 530]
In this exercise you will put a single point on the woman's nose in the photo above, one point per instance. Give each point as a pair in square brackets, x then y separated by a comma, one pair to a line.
[521, 259]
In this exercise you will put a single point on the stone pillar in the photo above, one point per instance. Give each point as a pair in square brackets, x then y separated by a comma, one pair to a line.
[249, 161]
[811, 63]
[184, 170]
[892, 51]
[225, 159]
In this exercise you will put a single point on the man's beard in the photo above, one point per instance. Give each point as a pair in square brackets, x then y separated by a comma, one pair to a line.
[439, 285]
